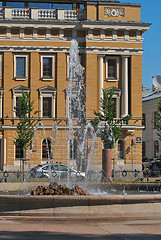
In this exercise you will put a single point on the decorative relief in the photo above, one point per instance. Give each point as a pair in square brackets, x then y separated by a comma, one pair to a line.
[114, 12]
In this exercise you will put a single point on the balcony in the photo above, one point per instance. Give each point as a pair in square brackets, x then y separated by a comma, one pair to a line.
[39, 14]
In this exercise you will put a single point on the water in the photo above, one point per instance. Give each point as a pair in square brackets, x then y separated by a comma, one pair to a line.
[81, 140]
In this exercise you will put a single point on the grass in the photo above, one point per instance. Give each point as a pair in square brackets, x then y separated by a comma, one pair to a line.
[128, 181]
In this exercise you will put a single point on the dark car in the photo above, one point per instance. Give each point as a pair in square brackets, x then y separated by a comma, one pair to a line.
[55, 170]
[150, 168]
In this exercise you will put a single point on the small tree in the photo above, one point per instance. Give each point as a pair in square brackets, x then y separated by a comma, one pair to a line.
[110, 132]
[25, 127]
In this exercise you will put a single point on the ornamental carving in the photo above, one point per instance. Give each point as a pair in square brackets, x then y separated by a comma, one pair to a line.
[114, 12]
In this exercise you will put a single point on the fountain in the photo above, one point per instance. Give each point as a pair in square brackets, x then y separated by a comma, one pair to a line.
[108, 202]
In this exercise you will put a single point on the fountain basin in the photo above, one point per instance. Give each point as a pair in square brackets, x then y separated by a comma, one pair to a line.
[80, 206]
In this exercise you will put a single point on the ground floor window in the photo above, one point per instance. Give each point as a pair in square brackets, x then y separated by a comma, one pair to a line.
[120, 149]
[156, 148]
[143, 149]
[46, 149]
[19, 152]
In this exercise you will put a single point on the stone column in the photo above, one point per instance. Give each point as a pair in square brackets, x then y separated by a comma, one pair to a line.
[100, 75]
[125, 85]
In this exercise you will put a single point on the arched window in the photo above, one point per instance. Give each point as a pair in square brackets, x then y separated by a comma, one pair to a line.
[120, 149]
[46, 149]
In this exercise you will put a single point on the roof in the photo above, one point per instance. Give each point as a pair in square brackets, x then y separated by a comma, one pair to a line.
[149, 94]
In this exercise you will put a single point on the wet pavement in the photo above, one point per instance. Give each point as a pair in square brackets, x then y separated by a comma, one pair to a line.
[82, 229]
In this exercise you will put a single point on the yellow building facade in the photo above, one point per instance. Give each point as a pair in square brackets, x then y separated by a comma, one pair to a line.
[34, 57]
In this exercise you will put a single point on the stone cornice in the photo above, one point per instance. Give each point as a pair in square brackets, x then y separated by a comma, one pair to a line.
[114, 51]
[140, 26]
[22, 23]
[92, 49]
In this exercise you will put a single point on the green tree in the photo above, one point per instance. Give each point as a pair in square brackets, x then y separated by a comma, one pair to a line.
[110, 131]
[25, 127]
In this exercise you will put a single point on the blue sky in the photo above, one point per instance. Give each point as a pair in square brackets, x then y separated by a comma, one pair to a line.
[150, 12]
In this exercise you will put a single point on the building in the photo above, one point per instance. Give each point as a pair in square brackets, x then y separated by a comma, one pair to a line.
[34, 56]
[151, 145]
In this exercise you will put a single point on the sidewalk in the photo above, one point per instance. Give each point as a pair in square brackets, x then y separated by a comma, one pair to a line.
[47, 228]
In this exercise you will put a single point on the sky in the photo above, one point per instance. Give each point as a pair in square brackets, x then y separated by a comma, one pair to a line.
[150, 13]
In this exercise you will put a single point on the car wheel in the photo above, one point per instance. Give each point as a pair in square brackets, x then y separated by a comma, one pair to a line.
[146, 172]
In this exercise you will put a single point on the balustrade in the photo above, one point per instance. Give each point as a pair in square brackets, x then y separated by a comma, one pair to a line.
[35, 13]
[20, 13]
[45, 13]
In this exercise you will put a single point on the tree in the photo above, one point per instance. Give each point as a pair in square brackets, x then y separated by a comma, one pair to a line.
[110, 131]
[25, 127]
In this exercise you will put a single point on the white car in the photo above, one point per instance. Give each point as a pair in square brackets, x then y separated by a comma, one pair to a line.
[57, 170]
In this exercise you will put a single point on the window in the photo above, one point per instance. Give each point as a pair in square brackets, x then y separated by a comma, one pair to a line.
[68, 65]
[66, 6]
[120, 149]
[47, 67]
[156, 148]
[73, 103]
[15, 4]
[47, 97]
[17, 106]
[144, 119]
[20, 67]
[73, 149]
[1, 100]
[156, 118]
[112, 68]
[116, 101]
[47, 107]
[17, 93]
[1, 65]
[19, 152]
[143, 149]
[41, 5]
[46, 149]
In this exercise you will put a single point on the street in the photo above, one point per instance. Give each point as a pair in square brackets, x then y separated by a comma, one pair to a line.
[49, 228]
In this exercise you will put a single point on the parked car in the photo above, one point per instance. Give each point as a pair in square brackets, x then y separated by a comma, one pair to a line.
[57, 170]
[150, 168]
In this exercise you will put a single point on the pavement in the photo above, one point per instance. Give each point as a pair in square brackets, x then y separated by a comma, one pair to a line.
[47, 228]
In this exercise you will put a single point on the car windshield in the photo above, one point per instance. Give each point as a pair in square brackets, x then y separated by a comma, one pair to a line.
[46, 167]
[61, 168]
[39, 166]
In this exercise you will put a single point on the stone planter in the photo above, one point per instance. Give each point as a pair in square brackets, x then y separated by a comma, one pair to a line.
[106, 164]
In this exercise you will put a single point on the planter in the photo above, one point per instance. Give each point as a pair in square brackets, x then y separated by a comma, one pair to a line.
[106, 164]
